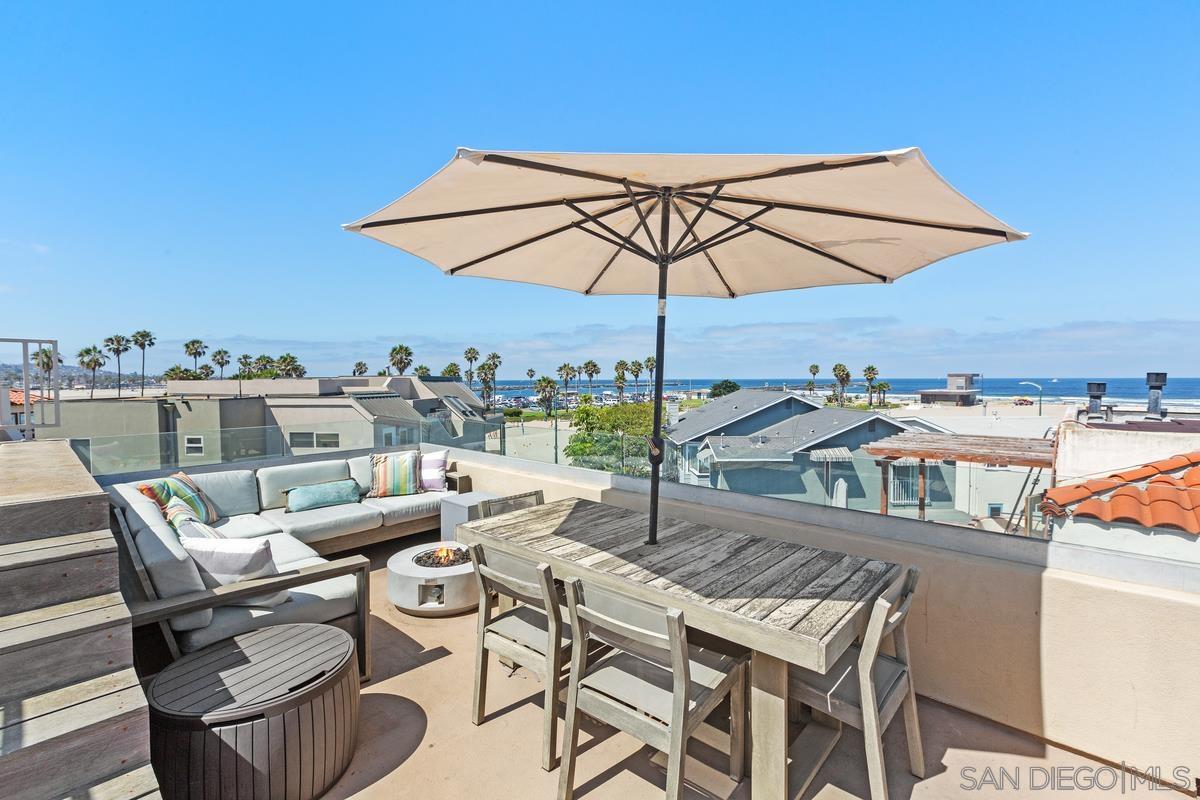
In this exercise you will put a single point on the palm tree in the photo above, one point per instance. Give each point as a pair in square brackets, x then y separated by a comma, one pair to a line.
[842, 374]
[591, 369]
[635, 369]
[400, 357]
[246, 363]
[649, 362]
[118, 345]
[288, 366]
[43, 359]
[813, 369]
[421, 371]
[221, 359]
[546, 388]
[452, 370]
[195, 348]
[262, 363]
[470, 355]
[470, 376]
[529, 373]
[92, 358]
[141, 340]
[883, 387]
[619, 382]
[870, 373]
[175, 372]
[565, 374]
[487, 377]
[360, 369]
[205, 372]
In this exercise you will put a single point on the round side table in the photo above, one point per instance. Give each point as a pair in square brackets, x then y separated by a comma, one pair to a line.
[270, 713]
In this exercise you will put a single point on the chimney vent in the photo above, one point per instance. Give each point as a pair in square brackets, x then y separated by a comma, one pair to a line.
[1155, 381]
[1096, 390]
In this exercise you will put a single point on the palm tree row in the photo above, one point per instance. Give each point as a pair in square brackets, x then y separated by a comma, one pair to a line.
[842, 375]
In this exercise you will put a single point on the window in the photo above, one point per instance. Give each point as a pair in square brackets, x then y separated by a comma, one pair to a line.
[995, 509]
[298, 439]
[326, 439]
[389, 438]
[193, 445]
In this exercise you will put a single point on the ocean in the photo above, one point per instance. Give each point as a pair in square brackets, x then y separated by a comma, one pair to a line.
[1180, 391]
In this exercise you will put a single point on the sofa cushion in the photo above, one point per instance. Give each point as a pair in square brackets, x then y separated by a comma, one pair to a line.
[323, 601]
[226, 561]
[245, 526]
[232, 493]
[171, 569]
[324, 523]
[274, 481]
[360, 470]
[402, 509]
[286, 550]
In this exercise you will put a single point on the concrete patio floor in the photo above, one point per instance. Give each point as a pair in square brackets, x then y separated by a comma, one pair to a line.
[416, 739]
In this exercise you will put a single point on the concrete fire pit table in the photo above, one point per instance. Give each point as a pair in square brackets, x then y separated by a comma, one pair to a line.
[432, 591]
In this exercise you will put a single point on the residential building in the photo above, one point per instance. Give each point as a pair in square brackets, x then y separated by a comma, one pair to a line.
[960, 391]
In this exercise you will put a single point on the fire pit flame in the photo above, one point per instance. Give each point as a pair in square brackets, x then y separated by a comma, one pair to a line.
[444, 556]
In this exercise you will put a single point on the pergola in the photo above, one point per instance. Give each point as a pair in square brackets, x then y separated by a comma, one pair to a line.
[1001, 451]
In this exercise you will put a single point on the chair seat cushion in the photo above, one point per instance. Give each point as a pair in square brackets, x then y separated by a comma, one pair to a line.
[245, 526]
[323, 601]
[839, 688]
[402, 509]
[528, 627]
[648, 686]
[317, 524]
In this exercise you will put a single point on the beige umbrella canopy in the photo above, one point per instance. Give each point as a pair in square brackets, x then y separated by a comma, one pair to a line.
[684, 224]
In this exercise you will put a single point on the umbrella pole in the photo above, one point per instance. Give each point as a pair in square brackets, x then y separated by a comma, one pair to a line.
[656, 439]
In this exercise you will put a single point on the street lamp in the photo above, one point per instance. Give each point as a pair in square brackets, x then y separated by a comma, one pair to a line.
[1039, 388]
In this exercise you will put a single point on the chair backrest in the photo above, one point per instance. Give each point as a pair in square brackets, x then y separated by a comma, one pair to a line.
[514, 577]
[888, 618]
[651, 632]
[515, 502]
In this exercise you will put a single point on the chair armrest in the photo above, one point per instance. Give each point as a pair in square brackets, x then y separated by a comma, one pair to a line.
[458, 481]
[148, 611]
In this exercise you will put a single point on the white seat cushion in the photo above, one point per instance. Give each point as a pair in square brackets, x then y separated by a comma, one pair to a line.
[323, 601]
[411, 506]
[317, 524]
[245, 526]
[287, 550]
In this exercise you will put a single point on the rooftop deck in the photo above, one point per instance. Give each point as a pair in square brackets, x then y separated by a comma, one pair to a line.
[416, 731]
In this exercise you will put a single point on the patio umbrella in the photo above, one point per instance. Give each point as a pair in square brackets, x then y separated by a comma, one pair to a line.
[683, 224]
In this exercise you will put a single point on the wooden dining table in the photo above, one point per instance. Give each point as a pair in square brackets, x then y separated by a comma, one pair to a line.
[787, 603]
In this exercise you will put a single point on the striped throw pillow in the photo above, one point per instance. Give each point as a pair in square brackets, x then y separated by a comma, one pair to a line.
[395, 474]
[179, 511]
[179, 485]
[433, 471]
[191, 529]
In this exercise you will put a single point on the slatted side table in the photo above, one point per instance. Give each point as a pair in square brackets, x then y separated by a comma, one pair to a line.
[268, 714]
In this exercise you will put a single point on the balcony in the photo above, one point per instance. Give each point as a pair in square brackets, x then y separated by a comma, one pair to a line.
[1039, 664]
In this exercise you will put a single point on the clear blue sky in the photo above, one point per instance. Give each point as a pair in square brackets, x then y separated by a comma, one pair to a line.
[185, 168]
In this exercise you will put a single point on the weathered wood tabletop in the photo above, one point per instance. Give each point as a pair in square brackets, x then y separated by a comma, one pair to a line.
[789, 603]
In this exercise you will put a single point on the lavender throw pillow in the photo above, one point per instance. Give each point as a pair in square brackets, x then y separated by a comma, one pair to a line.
[433, 471]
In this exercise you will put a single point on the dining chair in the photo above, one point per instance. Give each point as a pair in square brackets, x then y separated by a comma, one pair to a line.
[531, 634]
[871, 705]
[650, 684]
[514, 502]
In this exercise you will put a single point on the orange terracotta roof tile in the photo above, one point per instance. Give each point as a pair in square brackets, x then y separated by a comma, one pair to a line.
[1162, 494]
[16, 397]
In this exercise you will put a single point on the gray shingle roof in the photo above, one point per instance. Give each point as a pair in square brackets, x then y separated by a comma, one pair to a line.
[387, 405]
[791, 435]
[724, 410]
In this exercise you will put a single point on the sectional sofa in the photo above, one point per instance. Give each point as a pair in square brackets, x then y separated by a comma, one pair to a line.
[251, 504]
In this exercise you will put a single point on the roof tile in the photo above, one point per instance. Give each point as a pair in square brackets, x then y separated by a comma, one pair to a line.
[1162, 494]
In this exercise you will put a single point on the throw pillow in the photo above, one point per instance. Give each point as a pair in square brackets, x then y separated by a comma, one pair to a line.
[179, 485]
[395, 474]
[319, 495]
[433, 471]
[179, 511]
[193, 528]
[225, 561]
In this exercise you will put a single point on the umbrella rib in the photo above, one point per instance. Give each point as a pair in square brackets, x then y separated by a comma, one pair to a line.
[619, 244]
[716, 239]
[784, 172]
[707, 255]
[576, 173]
[591, 286]
[691, 225]
[472, 212]
[641, 221]
[534, 239]
[627, 241]
[783, 237]
[838, 212]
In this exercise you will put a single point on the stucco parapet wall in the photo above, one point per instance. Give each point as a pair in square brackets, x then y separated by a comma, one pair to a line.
[1090, 561]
